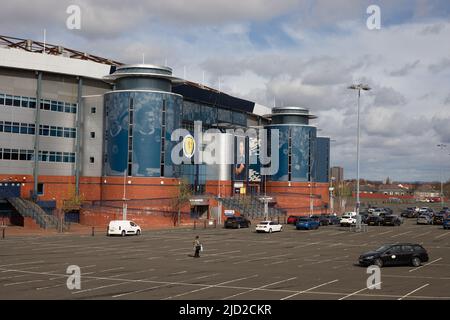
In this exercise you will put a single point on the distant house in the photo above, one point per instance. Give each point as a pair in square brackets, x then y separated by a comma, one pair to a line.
[367, 188]
[392, 190]
[426, 191]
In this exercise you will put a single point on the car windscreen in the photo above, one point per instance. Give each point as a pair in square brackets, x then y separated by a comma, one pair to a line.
[383, 248]
[303, 220]
[264, 223]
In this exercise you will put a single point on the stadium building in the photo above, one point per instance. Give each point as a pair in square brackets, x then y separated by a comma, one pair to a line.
[87, 138]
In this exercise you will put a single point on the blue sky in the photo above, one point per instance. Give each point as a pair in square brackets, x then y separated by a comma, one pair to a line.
[293, 52]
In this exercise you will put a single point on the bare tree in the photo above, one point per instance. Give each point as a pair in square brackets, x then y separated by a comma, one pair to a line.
[184, 194]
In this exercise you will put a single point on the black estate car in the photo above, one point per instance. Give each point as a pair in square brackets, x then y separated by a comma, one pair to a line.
[395, 254]
[374, 220]
[237, 222]
[392, 220]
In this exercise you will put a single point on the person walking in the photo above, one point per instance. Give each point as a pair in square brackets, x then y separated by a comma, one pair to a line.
[197, 247]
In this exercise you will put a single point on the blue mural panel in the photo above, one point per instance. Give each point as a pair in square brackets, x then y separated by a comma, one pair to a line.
[116, 106]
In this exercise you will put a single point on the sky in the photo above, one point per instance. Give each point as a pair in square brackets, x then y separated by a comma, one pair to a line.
[291, 52]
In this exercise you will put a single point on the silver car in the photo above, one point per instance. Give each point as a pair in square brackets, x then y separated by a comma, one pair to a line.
[424, 219]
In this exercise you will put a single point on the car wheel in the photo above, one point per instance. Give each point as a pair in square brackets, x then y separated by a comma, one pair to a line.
[378, 262]
[138, 233]
[123, 233]
[270, 230]
[416, 261]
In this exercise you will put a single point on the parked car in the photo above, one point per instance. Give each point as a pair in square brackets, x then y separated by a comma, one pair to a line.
[374, 220]
[424, 219]
[348, 219]
[440, 217]
[307, 224]
[292, 219]
[237, 222]
[322, 219]
[446, 223]
[409, 213]
[332, 219]
[395, 254]
[392, 220]
[268, 226]
[122, 228]
[426, 210]
[379, 212]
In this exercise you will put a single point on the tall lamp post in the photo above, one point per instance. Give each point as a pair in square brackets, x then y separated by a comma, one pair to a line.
[442, 146]
[358, 87]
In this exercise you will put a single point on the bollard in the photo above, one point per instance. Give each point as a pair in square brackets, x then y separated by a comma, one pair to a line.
[195, 224]
[3, 233]
[215, 223]
[93, 231]
[204, 224]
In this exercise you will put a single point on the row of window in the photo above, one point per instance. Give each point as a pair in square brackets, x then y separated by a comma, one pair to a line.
[44, 156]
[30, 102]
[44, 130]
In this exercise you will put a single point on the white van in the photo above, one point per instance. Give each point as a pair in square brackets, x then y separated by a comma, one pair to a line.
[122, 228]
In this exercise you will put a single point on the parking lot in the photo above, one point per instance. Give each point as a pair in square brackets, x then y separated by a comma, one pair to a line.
[235, 264]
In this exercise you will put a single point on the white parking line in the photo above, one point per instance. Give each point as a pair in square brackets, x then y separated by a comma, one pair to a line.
[262, 258]
[23, 282]
[210, 286]
[262, 287]
[400, 234]
[321, 285]
[19, 264]
[427, 264]
[356, 292]
[421, 234]
[425, 285]
[441, 236]
[106, 270]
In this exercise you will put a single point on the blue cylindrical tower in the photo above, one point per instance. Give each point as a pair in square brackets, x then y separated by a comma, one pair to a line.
[297, 145]
[141, 114]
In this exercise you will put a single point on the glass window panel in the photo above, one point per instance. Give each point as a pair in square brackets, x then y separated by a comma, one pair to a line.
[6, 154]
[24, 102]
[8, 100]
[16, 102]
[8, 126]
[24, 128]
[58, 157]
[32, 103]
[16, 127]
[14, 154]
[2, 98]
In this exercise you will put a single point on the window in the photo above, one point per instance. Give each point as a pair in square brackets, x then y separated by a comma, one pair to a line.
[1, 153]
[74, 108]
[2, 99]
[14, 154]
[16, 127]
[8, 100]
[16, 102]
[32, 103]
[91, 159]
[30, 155]
[8, 126]
[52, 157]
[66, 157]
[24, 102]
[67, 132]
[31, 128]
[40, 189]
[52, 131]
[7, 154]
[1, 126]
[23, 155]
[58, 157]
[24, 128]
[93, 110]
[54, 105]
[60, 106]
[59, 131]
[67, 107]
[92, 134]
[43, 156]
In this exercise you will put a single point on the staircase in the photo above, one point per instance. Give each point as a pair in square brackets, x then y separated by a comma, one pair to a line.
[250, 207]
[30, 209]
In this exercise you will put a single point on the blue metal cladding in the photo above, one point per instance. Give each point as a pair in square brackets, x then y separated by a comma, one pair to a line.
[146, 132]
[323, 159]
[208, 115]
[303, 139]
[116, 144]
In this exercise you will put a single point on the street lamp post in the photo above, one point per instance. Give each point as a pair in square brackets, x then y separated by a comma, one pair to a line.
[442, 146]
[358, 87]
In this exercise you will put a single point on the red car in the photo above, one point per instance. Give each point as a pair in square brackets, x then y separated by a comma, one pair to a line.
[293, 219]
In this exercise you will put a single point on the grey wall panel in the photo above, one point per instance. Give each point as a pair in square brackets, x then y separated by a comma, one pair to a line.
[92, 147]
